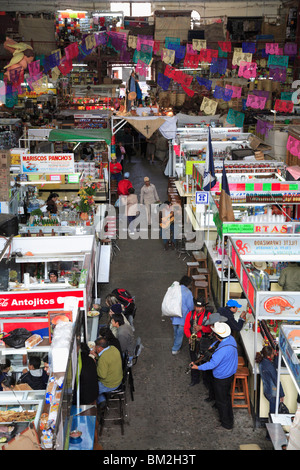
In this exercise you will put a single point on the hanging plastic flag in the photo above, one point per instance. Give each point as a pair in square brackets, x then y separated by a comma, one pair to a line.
[256, 102]
[293, 146]
[222, 93]
[249, 47]
[235, 118]
[208, 106]
[218, 66]
[277, 74]
[168, 56]
[290, 48]
[225, 46]
[284, 106]
[188, 91]
[206, 55]
[204, 82]
[65, 66]
[132, 41]
[236, 90]
[34, 68]
[71, 51]
[191, 60]
[263, 127]
[247, 69]
[141, 68]
[272, 48]
[281, 60]
[163, 81]
[198, 44]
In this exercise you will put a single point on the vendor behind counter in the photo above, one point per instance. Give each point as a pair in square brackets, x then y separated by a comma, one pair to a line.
[51, 203]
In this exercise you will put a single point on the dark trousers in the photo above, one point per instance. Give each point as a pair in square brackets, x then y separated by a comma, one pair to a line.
[222, 388]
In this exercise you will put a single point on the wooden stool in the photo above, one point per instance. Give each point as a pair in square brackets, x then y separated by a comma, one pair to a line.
[191, 267]
[201, 286]
[200, 258]
[241, 381]
[206, 273]
[241, 361]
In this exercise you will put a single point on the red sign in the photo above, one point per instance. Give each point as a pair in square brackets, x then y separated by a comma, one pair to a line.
[26, 302]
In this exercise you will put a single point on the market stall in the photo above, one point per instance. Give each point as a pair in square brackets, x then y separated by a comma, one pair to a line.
[269, 309]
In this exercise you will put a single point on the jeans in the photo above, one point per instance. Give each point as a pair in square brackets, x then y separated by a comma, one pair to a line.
[178, 337]
[102, 391]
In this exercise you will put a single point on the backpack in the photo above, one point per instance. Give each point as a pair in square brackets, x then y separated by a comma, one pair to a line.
[126, 299]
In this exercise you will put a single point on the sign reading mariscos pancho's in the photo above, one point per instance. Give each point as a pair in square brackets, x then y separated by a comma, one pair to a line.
[47, 163]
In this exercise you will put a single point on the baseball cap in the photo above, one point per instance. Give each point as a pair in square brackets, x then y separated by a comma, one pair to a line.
[146, 178]
[233, 303]
[116, 308]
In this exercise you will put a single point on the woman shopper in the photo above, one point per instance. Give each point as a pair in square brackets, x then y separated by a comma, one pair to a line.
[267, 361]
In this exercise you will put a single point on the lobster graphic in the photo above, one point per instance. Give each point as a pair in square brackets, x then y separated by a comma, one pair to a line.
[277, 305]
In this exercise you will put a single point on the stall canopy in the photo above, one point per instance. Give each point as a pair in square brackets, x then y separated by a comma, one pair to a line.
[80, 135]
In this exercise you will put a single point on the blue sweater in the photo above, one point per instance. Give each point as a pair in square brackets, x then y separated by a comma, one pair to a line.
[268, 373]
[187, 304]
[224, 360]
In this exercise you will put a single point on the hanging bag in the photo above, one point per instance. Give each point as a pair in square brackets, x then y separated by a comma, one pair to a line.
[171, 304]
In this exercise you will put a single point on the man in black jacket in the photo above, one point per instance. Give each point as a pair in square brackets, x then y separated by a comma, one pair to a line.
[35, 377]
[229, 312]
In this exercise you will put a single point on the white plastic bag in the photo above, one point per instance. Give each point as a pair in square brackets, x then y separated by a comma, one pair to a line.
[171, 304]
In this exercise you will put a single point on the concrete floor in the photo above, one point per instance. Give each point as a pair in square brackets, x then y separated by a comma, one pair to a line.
[166, 413]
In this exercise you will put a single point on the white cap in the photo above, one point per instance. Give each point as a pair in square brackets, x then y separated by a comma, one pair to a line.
[221, 329]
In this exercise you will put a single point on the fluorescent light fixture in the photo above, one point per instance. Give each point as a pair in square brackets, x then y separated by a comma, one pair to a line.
[79, 65]
[68, 10]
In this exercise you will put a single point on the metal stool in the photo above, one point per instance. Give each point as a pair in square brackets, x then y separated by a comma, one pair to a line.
[240, 381]
[117, 397]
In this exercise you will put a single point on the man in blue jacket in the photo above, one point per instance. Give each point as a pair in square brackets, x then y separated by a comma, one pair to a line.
[187, 304]
[229, 311]
[223, 363]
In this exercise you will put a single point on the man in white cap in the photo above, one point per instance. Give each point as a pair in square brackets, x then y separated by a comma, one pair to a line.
[223, 363]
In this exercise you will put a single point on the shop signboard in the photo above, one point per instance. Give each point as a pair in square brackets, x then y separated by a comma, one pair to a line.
[22, 302]
[47, 163]
[267, 246]
[273, 228]
[281, 305]
[289, 342]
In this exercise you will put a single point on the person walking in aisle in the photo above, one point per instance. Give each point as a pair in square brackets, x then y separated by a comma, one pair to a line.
[223, 363]
[148, 196]
[187, 304]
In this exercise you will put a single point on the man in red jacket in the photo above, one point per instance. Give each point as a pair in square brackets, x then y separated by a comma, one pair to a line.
[124, 185]
[193, 330]
[115, 169]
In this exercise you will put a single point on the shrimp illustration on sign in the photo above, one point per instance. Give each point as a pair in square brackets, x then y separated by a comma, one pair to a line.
[243, 249]
[277, 305]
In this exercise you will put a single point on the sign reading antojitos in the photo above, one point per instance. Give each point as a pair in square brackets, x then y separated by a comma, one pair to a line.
[47, 163]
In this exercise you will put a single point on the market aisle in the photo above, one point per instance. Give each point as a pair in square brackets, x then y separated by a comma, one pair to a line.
[166, 413]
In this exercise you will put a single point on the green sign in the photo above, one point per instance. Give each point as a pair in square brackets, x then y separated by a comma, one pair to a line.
[238, 228]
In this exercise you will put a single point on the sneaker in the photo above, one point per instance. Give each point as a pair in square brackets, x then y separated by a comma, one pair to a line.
[175, 352]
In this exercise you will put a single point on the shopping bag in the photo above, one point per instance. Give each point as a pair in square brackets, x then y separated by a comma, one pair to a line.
[171, 304]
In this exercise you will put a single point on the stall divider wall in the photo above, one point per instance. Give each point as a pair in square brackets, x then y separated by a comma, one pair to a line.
[264, 304]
